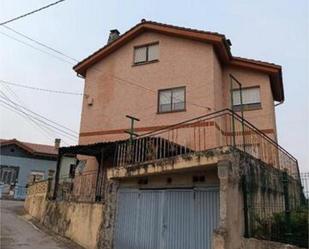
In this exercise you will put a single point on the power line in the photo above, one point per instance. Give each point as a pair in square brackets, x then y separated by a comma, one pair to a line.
[63, 133]
[118, 79]
[38, 49]
[32, 12]
[48, 122]
[40, 89]
[24, 116]
[113, 76]
[47, 119]
[46, 131]
[40, 43]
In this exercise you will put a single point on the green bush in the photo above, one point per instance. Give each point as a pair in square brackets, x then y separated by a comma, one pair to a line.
[279, 227]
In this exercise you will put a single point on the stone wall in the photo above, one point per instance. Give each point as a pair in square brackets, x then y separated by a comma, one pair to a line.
[36, 199]
[231, 230]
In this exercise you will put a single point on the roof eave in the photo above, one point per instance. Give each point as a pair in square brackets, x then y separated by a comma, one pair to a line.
[274, 71]
[217, 40]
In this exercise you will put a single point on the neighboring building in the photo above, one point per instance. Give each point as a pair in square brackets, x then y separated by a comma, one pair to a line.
[198, 175]
[22, 162]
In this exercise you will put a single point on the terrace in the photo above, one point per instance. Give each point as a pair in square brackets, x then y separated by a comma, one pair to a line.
[193, 144]
[214, 133]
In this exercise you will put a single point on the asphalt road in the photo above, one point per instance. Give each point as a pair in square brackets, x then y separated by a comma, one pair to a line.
[18, 233]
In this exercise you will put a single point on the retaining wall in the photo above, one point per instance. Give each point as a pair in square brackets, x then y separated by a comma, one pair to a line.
[80, 222]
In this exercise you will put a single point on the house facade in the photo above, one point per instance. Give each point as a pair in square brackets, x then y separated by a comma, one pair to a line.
[177, 143]
[23, 163]
[152, 61]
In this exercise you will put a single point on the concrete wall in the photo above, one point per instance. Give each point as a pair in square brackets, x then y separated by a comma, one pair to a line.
[231, 222]
[92, 225]
[80, 222]
[26, 165]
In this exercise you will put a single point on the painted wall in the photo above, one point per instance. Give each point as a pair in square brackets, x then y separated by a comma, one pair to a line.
[263, 118]
[79, 222]
[113, 98]
[26, 165]
[182, 62]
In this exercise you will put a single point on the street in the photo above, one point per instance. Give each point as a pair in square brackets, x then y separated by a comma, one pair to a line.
[18, 233]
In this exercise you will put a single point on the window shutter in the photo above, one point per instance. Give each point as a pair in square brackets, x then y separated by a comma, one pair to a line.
[236, 97]
[140, 54]
[251, 96]
[153, 52]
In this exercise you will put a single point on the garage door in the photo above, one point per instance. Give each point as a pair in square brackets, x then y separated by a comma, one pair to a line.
[166, 219]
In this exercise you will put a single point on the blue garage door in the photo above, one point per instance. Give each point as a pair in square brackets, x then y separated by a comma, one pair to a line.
[166, 219]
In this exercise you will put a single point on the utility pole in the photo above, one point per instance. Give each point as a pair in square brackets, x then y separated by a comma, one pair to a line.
[131, 130]
[132, 135]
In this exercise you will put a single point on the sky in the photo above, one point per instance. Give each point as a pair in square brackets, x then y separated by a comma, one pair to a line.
[275, 31]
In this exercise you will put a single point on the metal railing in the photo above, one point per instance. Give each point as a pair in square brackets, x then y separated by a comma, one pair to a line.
[80, 188]
[276, 205]
[215, 130]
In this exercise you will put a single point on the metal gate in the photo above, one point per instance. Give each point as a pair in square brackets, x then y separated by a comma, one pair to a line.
[166, 219]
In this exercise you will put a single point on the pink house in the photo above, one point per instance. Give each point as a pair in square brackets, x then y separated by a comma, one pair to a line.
[202, 136]
[164, 74]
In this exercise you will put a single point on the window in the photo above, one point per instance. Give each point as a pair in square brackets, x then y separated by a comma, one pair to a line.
[251, 99]
[51, 173]
[36, 176]
[146, 53]
[8, 174]
[171, 100]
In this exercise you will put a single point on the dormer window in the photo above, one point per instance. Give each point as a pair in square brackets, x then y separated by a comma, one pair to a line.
[146, 53]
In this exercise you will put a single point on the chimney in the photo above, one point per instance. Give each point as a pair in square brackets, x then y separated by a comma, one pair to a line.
[113, 35]
[57, 143]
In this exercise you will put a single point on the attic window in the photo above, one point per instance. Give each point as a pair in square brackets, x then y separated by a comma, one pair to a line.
[146, 53]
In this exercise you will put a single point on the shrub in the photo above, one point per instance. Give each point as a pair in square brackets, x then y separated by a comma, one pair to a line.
[276, 227]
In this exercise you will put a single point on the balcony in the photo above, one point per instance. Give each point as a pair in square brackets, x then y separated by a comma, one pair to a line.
[199, 139]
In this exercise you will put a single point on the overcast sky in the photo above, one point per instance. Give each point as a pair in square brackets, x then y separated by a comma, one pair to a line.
[276, 31]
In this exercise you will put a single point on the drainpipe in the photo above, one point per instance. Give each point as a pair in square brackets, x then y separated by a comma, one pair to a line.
[80, 76]
[281, 102]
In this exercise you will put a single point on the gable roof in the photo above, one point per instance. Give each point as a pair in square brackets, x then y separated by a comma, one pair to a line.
[219, 41]
[35, 149]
